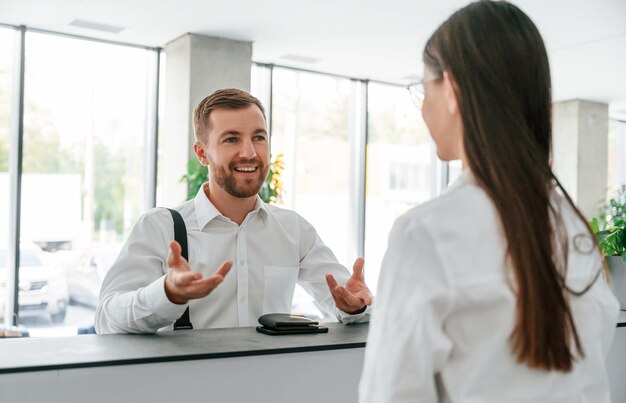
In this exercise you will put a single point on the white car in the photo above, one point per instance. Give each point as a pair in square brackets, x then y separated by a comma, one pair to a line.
[43, 290]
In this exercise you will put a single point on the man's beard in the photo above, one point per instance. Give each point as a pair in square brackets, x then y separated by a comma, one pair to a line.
[227, 181]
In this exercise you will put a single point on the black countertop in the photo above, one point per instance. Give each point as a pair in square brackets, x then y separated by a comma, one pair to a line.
[41, 354]
[32, 354]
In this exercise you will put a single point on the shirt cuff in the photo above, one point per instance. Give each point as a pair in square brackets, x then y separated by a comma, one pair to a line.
[157, 302]
[346, 318]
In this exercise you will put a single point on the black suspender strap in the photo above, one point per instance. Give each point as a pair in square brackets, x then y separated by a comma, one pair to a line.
[180, 236]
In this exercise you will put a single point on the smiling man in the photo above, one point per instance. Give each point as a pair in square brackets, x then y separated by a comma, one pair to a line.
[260, 251]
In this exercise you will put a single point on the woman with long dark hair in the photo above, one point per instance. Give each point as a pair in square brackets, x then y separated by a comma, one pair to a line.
[495, 291]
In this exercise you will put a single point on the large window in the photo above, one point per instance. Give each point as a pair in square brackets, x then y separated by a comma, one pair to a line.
[315, 124]
[85, 148]
[401, 168]
[310, 127]
[7, 37]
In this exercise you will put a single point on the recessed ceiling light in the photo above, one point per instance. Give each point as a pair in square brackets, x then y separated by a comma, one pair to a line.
[300, 58]
[97, 26]
[412, 78]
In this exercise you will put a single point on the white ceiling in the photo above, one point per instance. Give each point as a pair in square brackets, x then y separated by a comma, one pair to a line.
[369, 39]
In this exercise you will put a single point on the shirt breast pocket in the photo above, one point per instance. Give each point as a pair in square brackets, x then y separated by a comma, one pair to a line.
[280, 283]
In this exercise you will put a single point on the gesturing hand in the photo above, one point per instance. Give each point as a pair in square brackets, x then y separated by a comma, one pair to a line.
[182, 284]
[355, 296]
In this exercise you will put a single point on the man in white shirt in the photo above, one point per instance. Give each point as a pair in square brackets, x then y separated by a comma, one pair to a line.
[267, 249]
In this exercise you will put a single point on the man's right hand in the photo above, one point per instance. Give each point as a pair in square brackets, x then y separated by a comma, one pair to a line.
[182, 284]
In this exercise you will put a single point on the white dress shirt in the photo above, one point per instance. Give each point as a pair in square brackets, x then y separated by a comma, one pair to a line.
[444, 312]
[272, 250]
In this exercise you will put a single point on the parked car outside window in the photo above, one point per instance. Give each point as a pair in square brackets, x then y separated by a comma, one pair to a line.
[43, 290]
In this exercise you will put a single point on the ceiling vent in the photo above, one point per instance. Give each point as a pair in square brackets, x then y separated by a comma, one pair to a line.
[412, 78]
[300, 58]
[97, 26]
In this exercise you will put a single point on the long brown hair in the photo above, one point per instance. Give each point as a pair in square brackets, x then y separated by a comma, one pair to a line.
[500, 65]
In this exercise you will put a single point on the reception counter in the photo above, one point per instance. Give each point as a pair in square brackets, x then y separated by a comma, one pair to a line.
[219, 365]
[616, 362]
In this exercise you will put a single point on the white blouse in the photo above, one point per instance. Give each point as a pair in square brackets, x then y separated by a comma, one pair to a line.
[444, 312]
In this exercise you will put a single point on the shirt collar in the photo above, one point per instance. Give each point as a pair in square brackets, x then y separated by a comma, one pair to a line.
[261, 207]
[206, 211]
[466, 176]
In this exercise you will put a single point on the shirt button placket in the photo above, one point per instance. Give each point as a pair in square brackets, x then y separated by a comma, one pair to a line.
[242, 278]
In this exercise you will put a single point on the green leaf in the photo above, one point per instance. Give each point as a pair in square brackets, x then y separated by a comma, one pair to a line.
[611, 242]
[196, 175]
[595, 227]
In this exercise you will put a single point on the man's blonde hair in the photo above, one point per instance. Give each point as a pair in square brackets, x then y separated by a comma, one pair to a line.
[229, 98]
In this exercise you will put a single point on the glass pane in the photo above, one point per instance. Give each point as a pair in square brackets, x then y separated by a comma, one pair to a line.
[7, 37]
[310, 127]
[260, 83]
[616, 158]
[401, 168]
[84, 162]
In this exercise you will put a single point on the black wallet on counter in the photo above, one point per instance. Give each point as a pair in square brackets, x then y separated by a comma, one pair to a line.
[285, 323]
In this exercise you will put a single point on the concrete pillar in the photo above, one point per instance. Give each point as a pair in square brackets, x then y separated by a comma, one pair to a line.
[195, 67]
[580, 140]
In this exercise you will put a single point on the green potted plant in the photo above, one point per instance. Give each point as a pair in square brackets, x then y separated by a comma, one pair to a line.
[271, 190]
[196, 175]
[610, 229]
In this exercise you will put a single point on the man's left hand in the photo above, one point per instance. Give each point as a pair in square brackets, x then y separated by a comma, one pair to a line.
[355, 296]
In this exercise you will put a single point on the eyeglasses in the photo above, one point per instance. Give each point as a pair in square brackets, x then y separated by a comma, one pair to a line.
[417, 92]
